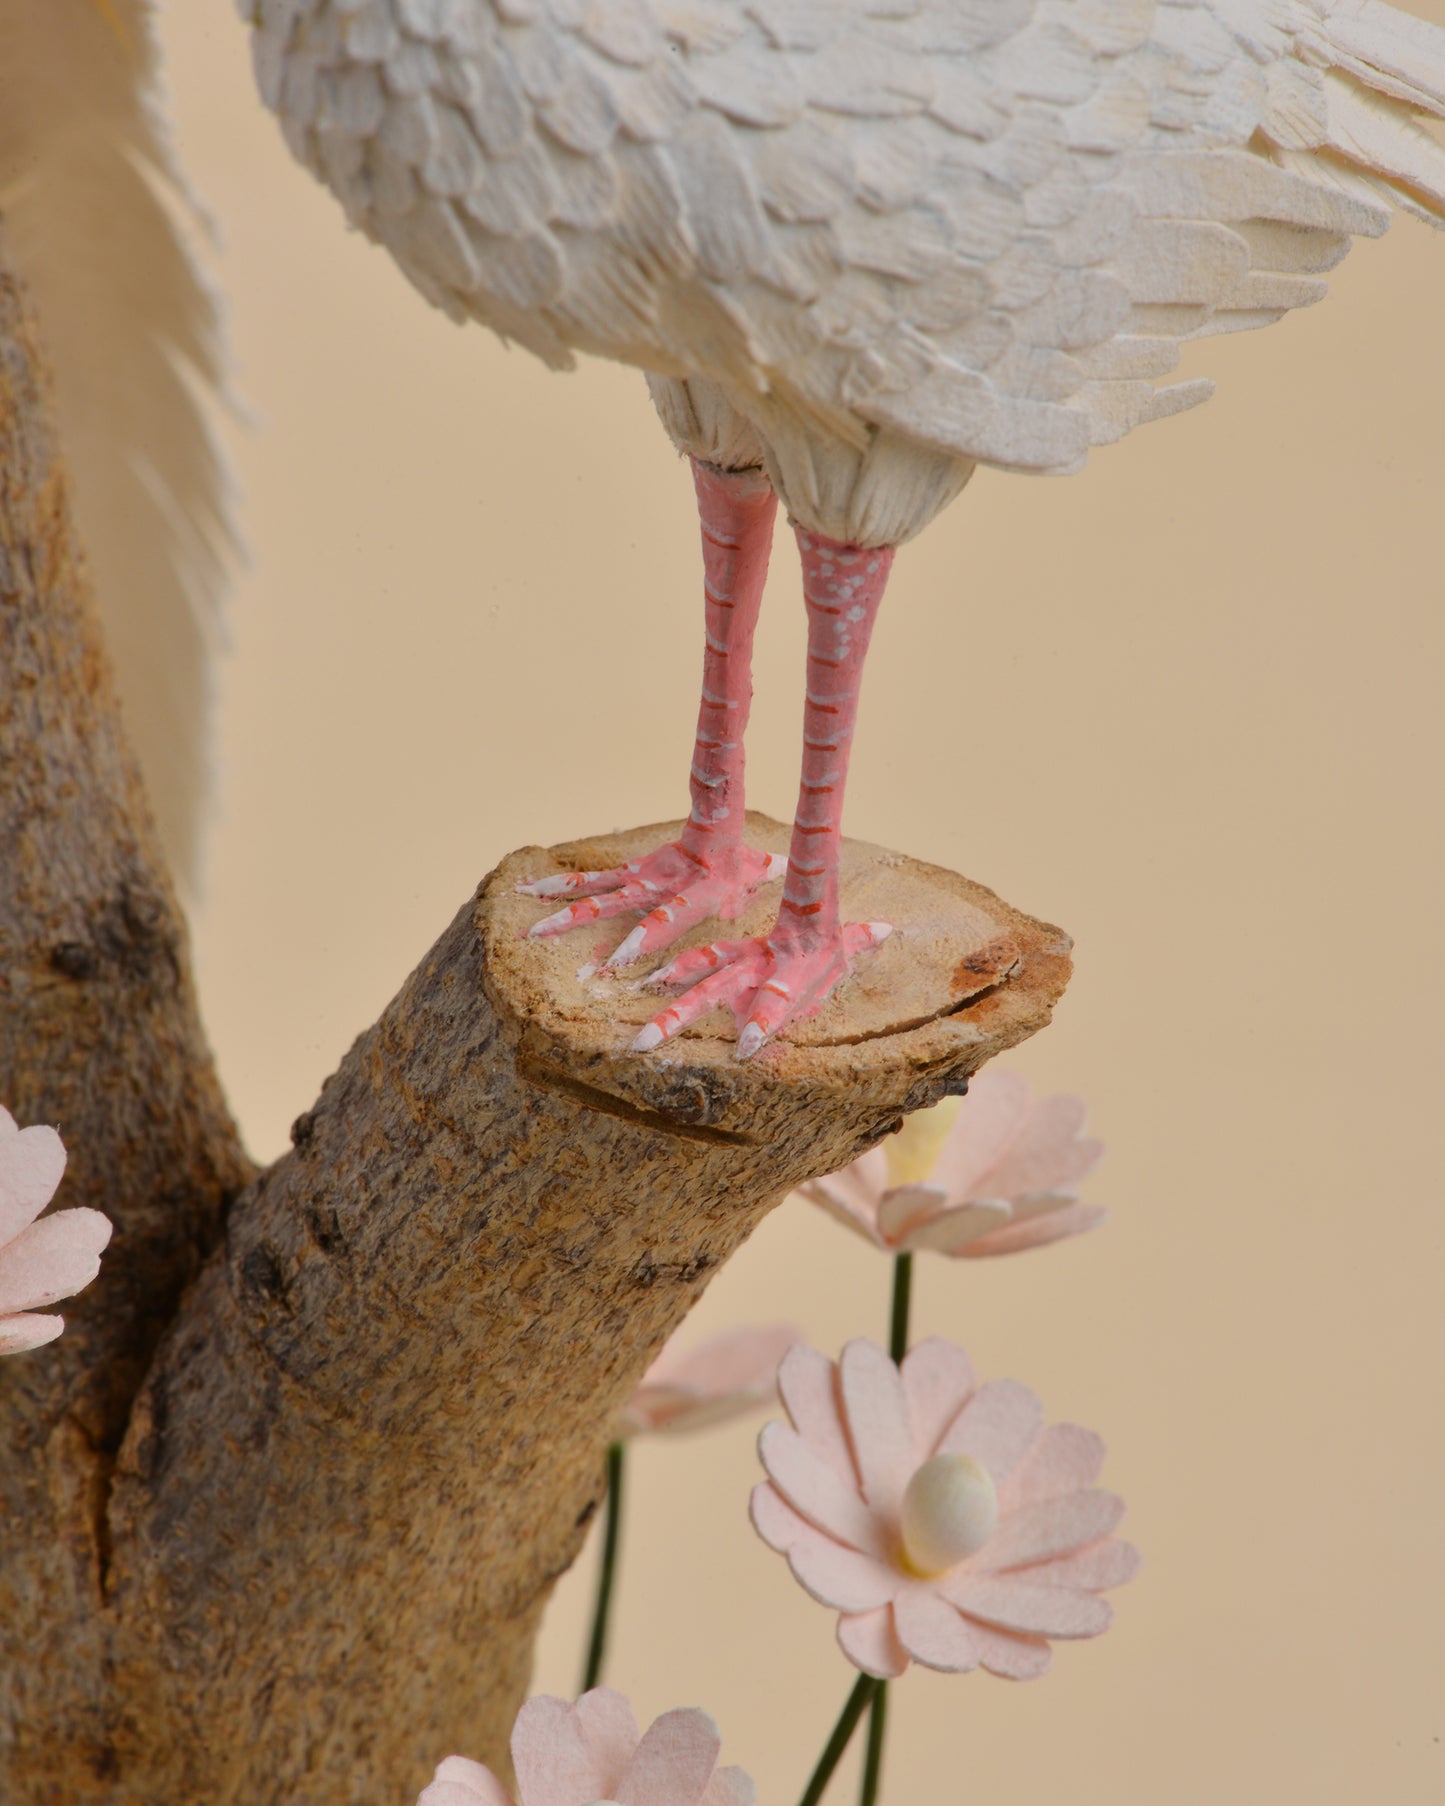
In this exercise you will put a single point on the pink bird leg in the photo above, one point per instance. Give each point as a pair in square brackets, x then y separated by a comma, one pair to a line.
[772, 979]
[708, 871]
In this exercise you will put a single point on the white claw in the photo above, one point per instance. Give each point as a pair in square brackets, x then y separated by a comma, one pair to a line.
[555, 886]
[662, 976]
[627, 950]
[750, 1040]
[776, 867]
[880, 931]
[650, 1037]
[586, 972]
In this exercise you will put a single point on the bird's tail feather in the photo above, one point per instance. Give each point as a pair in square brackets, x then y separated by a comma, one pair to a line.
[101, 228]
[1358, 126]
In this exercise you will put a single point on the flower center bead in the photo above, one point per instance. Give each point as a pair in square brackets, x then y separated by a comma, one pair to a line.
[950, 1510]
[913, 1152]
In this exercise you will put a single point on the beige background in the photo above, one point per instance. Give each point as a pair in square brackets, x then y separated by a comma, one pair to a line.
[1186, 704]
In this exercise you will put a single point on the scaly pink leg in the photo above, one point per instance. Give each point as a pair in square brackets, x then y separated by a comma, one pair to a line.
[773, 979]
[708, 870]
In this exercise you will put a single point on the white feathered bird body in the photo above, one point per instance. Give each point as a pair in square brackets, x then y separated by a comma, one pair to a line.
[867, 243]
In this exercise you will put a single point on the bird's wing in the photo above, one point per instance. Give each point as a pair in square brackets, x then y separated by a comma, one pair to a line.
[984, 224]
[102, 229]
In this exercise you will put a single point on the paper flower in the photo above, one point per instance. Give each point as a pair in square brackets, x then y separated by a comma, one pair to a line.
[944, 1521]
[719, 1378]
[39, 1262]
[989, 1173]
[590, 1755]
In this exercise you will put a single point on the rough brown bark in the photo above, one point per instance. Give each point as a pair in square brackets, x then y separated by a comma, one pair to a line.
[99, 1035]
[356, 1453]
[376, 1434]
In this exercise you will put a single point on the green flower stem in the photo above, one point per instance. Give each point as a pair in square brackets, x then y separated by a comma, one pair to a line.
[858, 1702]
[612, 1525]
[902, 1295]
[873, 1756]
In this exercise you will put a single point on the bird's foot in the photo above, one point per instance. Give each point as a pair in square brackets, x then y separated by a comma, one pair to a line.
[677, 888]
[764, 980]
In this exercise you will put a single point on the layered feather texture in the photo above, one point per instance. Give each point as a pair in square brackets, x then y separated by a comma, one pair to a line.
[873, 241]
[100, 225]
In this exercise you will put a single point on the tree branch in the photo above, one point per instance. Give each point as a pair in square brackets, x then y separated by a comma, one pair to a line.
[373, 1434]
[98, 1034]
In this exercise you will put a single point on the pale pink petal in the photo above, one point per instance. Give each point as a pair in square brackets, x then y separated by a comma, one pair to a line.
[730, 1787]
[1038, 1231]
[461, 1782]
[32, 1162]
[652, 1408]
[673, 1763]
[814, 1489]
[1018, 1605]
[877, 1417]
[859, 1218]
[1101, 1565]
[933, 1633]
[1012, 1657]
[738, 1360]
[938, 1379]
[1065, 1457]
[26, 1331]
[808, 1383]
[1049, 1155]
[841, 1578]
[52, 1259]
[610, 1730]
[554, 1764]
[1049, 1527]
[905, 1208]
[870, 1642]
[774, 1518]
[461, 1793]
[990, 1118]
[996, 1427]
[853, 1192]
[952, 1230]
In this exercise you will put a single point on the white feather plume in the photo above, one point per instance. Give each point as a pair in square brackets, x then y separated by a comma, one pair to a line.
[102, 228]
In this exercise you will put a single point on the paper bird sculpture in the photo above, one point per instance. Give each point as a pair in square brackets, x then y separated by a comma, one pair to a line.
[858, 247]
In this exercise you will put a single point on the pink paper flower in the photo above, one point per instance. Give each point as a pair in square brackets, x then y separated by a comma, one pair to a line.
[943, 1520]
[721, 1377]
[45, 1260]
[590, 1755]
[989, 1173]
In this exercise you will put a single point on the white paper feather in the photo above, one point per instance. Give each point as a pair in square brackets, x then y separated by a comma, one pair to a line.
[877, 240]
[104, 232]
